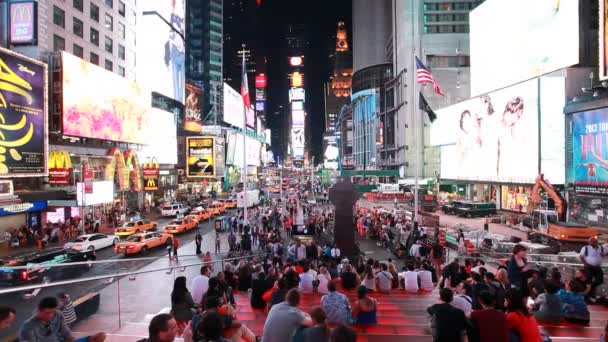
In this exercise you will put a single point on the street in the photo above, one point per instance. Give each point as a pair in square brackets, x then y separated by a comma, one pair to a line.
[134, 291]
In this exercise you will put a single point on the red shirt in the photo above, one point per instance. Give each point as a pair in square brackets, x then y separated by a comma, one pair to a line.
[526, 326]
[175, 242]
[492, 325]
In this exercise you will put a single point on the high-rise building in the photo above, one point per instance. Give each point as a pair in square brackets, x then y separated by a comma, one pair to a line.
[437, 33]
[101, 32]
[204, 54]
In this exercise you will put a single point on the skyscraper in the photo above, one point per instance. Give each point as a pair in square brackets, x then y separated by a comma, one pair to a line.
[204, 54]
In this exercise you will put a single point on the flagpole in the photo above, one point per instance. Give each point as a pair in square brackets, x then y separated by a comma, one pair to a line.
[415, 89]
[244, 173]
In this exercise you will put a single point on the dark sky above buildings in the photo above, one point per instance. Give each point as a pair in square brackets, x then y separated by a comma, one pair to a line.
[320, 19]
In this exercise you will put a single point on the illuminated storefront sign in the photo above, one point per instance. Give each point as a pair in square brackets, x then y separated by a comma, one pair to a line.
[151, 172]
[17, 208]
[127, 167]
[60, 167]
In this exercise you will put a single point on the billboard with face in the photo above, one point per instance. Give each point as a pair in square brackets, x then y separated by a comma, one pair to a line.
[100, 104]
[161, 61]
[23, 113]
[193, 121]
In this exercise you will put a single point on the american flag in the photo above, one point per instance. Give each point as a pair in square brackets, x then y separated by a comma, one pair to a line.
[245, 87]
[425, 76]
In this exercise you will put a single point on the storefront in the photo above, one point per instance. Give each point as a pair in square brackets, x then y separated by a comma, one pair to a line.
[515, 198]
[15, 215]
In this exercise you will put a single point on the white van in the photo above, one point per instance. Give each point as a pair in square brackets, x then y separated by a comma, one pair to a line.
[174, 209]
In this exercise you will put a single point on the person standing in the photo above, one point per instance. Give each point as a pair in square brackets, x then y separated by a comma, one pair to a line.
[175, 245]
[217, 242]
[516, 269]
[67, 308]
[591, 256]
[200, 284]
[182, 304]
[198, 240]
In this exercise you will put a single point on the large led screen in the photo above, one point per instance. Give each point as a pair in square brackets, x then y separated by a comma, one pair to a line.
[590, 156]
[297, 118]
[252, 150]
[297, 142]
[161, 61]
[100, 104]
[160, 139]
[492, 138]
[233, 107]
[515, 40]
[23, 114]
[193, 120]
[552, 128]
[603, 36]
[250, 117]
[200, 153]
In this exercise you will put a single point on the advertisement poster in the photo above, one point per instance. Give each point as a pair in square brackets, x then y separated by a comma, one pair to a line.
[200, 156]
[233, 107]
[100, 104]
[151, 173]
[160, 139]
[193, 122]
[161, 61]
[297, 118]
[60, 167]
[590, 156]
[23, 113]
[491, 138]
[22, 22]
[220, 162]
[603, 35]
[545, 39]
[250, 118]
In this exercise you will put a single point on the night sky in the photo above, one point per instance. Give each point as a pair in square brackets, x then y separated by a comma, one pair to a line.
[320, 18]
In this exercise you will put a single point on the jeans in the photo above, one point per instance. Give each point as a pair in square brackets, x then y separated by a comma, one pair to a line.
[596, 275]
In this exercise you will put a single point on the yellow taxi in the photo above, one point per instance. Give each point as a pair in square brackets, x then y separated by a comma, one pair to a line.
[199, 214]
[143, 242]
[133, 227]
[180, 225]
[217, 208]
[229, 204]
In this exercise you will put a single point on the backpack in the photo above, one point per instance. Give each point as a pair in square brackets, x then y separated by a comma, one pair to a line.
[601, 250]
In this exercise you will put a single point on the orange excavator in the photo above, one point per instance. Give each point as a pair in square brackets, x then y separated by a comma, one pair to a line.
[549, 226]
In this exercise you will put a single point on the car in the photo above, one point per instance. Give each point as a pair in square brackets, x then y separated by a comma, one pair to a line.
[92, 242]
[180, 225]
[133, 227]
[39, 262]
[199, 214]
[476, 209]
[229, 204]
[174, 209]
[451, 207]
[217, 208]
[143, 242]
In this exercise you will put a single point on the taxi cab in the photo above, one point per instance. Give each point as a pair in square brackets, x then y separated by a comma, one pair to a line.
[143, 242]
[229, 204]
[199, 214]
[180, 225]
[136, 226]
[217, 208]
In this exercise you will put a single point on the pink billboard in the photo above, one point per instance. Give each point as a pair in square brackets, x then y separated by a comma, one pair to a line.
[22, 22]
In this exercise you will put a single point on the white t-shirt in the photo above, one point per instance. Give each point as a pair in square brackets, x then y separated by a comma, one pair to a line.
[426, 280]
[415, 250]
[411, 280]
[306, 282]
[594, 255]
[323, 279]
[384, 281]
[200, 285]
[464, 303]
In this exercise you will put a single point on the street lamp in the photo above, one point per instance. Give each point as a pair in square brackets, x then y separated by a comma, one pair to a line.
[179, 33]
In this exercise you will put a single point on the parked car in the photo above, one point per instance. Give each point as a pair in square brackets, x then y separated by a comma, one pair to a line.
[174, 209]
[180, 225]
[143, 242]
[451, 207]
[92, 242]
[133, 227]
[476, 210]
[39, 262]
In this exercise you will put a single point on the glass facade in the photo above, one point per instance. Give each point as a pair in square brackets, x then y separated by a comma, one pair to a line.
[365, 121]
[204, 53]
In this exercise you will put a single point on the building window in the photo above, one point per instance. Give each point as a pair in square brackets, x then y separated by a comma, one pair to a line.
[121, 71]
[121, 52]
[78, 51]
[110, 3]
[122, 31]
[122, 8]
[58, 16]
[58, 43]
[109, 22]
[79, 5]
[109, 65]
[78, 27]
[94, 12]
[448, 61]
[109, 45]
[461, 28]
[94, 58]
[445, 29]
[94, 37]
[461, 17]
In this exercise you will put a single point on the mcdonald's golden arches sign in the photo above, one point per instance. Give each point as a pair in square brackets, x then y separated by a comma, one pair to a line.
[151, 171]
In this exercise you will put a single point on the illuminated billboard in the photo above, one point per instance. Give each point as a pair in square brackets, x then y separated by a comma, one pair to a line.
[492, 138]
[297, 118]
[100, 104]
[296, 61]
[297, 142]
[250, 117]
[603, 36]
[260, 106]
[23, 89]
[219, 163]
[261, 81]
[589, 155]
[233, 107]
[161, 61]
[297, 80]
[22, 27]
[296, 94]
[193, 121]
[200, 154]
[545, 39]
[235, 150]
[160, 139]
[297, 105]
